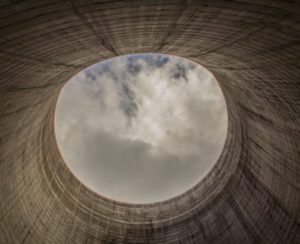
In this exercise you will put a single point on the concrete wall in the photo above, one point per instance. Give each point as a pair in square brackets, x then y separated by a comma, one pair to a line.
[252, 195]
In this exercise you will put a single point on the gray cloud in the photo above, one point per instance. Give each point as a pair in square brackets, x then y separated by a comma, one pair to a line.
[127, 102]
[180, 71]
[141, 128]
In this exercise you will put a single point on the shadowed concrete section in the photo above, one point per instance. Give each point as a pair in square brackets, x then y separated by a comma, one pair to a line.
[252, 195]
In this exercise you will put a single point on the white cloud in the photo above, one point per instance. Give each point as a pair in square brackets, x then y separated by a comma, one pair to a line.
[141, 128]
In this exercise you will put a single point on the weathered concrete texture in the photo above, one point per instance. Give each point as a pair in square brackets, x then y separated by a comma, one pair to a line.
[252, 47]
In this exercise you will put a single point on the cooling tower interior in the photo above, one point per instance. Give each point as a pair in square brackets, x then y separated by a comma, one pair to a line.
[252, 194]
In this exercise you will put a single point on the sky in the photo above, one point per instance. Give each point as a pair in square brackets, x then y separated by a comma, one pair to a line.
[141, 128]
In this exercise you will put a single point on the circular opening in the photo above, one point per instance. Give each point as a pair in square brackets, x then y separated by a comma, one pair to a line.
[141, 128]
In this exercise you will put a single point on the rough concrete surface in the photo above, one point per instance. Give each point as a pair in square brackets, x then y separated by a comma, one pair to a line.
[252, 195]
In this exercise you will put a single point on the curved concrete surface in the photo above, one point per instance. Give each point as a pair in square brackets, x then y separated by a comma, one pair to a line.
[252, 195]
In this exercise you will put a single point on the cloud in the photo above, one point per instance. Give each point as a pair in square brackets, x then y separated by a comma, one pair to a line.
[141, 128]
